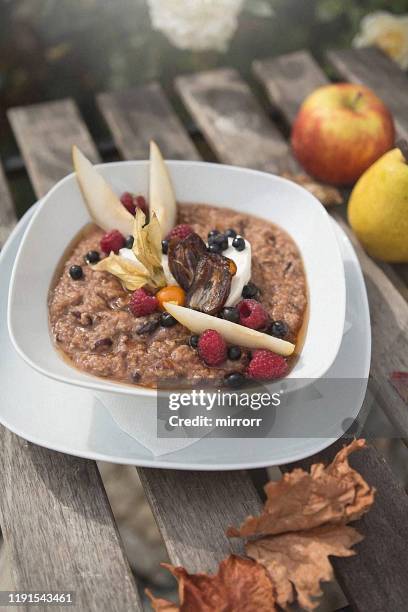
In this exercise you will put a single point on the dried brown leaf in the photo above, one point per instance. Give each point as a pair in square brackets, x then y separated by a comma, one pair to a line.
[298, 562]
[161, 605]
[326, 194]
[241, 585]
[334, 494]
[399, 381]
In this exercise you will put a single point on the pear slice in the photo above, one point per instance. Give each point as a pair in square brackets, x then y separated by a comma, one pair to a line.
[197, 322]
[162, 199]
[103, 204]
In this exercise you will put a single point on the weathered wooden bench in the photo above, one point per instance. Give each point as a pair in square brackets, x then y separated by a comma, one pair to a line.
[55, 516]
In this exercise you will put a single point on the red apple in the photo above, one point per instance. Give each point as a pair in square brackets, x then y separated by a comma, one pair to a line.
[340, 131]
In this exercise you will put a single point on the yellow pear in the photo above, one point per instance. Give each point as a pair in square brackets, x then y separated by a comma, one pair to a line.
[198, 322]
[103, 204]
[162, 199]
[378, 206]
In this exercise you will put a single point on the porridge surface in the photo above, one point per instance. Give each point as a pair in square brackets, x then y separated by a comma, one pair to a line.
[92, 326]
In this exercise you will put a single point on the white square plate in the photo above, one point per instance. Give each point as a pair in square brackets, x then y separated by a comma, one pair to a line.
[72, 420]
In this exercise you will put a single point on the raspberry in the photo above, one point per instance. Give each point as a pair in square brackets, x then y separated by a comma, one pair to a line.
[252, 314]
[212, 348]
[180, 231]
[266, 365]
[112, 241]
[140, 202]
[128, 202]
[131, 202]
[142, 303]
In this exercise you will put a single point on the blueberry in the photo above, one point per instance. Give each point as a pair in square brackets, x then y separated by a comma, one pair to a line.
[235, 380]
[129, 242]
[148, 327]
[76, 272]
[165, 247]
[167, 320]
[230, 314]
[193, 341]
[213, 233]
[217, 239]
[279, 329]
[214, 248]
[250, 291]
[238, 243]
[92, 257]
[234, 353]
[223, 243]
[221, 240]
[230, 233]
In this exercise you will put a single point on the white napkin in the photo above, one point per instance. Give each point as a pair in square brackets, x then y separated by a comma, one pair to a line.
[137, 416]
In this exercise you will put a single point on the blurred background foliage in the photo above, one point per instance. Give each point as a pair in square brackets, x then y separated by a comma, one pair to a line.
[55, 48]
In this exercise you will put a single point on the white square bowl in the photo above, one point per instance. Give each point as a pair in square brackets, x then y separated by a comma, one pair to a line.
[62, 214]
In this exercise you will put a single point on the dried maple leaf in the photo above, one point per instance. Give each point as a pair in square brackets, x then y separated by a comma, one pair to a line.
[297, 562]
[399, 381]
[242, 585]
[300, 500]
[162, 605]
[328, 195]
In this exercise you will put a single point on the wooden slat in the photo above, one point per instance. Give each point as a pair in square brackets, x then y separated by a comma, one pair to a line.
[379, 286]
[400, 274]
[136, 116]
[233, 122]
[59, 528]
[8, 216]
[55, 514]
[373, 68]
[45, 134]
[288, 79]
[389, 329]
[192, 509]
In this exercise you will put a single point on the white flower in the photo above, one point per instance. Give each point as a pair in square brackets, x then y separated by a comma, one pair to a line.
[196, 24]
[386, 31]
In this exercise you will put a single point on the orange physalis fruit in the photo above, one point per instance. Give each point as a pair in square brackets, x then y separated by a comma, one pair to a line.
[171, 293]
[232, 266]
